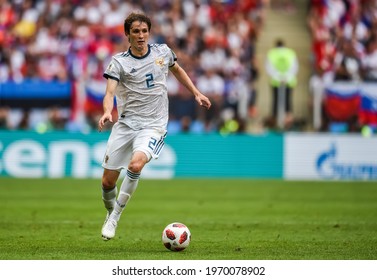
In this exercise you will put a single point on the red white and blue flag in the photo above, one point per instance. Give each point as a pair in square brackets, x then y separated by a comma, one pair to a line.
[368, 106]
[342, 101]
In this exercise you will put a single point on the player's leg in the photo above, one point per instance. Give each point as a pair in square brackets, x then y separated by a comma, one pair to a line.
[130, 182]
[147, 145]
[117, 156]
[109, 189]
[109, 195]
[128, 187]
[112, 166]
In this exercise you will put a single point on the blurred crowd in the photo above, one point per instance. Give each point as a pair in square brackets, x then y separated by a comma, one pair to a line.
[74, 41]
[344, 36]
[344, 48]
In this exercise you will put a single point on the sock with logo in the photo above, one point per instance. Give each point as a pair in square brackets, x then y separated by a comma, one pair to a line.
[127, 188]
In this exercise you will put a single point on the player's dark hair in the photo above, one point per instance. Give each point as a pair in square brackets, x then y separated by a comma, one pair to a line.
[136, 17]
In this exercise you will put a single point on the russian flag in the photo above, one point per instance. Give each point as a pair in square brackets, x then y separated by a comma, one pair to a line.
[94, 94]
[368, 106]
[342, 101]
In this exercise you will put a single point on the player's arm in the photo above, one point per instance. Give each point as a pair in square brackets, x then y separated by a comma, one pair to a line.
[185, 80]
[108, 103]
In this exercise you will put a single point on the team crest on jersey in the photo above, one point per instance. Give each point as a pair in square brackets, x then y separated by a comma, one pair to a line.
[159, 61]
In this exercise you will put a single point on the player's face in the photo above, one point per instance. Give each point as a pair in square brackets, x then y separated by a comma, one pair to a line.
[138, 37]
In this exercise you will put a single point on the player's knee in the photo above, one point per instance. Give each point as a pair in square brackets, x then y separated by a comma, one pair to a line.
[136, 166]
[107, 183]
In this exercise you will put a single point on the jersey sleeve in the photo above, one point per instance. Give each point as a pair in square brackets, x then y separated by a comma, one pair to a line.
[172, 58]
[113, 70]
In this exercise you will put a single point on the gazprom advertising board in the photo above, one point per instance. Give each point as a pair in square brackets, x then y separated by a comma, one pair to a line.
[293, 156]
[330, 157]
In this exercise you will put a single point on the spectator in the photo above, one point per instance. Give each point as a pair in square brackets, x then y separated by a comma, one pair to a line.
[282, 67]
[347, 63]
[213, 86]
[4, 118]
[4, 63]
[323, 45]
[369, 61]
[355, 27]
[24, 123]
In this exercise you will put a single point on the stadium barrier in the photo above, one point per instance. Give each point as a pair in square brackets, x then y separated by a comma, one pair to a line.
[289, 156]
[35, 93]
[61, 154]
[330, 157]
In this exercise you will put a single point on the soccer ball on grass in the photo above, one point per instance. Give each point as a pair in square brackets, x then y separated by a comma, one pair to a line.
[176, 236]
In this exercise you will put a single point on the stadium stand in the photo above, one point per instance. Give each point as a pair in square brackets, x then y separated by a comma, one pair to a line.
[344, 45]
[66, 44]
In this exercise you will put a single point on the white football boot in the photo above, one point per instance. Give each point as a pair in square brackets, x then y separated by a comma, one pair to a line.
[109, 228]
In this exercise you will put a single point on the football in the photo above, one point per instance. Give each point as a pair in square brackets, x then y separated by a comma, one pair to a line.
[176, 236]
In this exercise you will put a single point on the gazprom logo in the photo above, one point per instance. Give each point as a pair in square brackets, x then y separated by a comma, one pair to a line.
[329, 167]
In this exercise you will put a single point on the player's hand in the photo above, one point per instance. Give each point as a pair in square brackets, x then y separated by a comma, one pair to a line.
[105, 117]
[203, 101]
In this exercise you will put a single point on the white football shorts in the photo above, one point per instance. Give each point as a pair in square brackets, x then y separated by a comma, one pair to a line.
[124, 141]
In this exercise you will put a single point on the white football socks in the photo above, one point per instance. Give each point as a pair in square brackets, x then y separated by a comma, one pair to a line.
[127, 188]
[109, 197]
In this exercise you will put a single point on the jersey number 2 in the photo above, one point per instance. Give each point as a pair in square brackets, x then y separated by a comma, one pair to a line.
[149, 80]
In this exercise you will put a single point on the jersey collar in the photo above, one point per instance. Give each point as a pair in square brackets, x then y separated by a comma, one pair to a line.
[140, 57]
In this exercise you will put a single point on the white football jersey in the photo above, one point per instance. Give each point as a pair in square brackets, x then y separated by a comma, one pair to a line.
[141, 94]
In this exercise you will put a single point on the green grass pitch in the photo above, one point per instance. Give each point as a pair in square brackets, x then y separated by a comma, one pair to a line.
[47, 219]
